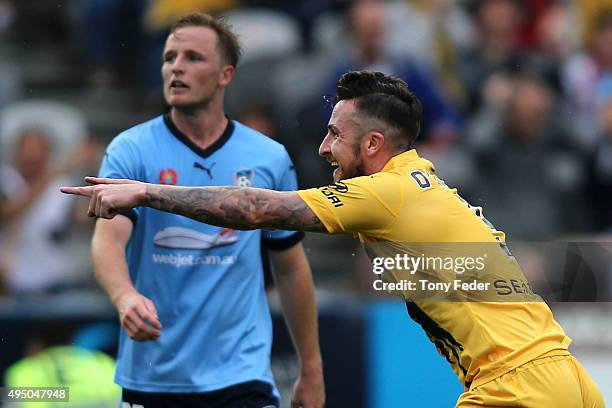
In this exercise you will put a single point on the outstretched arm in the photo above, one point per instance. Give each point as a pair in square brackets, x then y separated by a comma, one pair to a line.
[236, 207]
[233, 207]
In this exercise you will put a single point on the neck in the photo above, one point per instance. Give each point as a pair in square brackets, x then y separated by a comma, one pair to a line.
[376, 164]
[202, 126]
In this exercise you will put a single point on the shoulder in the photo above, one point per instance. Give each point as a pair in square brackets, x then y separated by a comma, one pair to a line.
[140, 132]
[388, 187]
[379, 180]
[382, 186]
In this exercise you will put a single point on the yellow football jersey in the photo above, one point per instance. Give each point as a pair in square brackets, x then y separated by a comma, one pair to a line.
[459, 280]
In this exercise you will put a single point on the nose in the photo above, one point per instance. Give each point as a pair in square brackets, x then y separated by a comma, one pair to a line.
[177, 70]
[177, 65]
[324, 149]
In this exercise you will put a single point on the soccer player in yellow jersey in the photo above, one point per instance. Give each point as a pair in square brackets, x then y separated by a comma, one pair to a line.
[502, 341]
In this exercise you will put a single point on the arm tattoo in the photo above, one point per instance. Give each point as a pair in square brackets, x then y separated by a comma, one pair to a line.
[236, 207]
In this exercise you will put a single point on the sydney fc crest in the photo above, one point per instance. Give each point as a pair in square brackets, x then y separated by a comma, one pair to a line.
[244, 178]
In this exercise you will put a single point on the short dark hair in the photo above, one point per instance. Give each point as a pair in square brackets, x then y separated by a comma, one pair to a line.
[227, 40]
[385, 98]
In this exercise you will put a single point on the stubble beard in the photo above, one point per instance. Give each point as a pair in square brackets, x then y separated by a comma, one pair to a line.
[356, 170]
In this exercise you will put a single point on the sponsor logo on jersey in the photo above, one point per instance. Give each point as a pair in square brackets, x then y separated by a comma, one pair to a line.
[208, 170]
[339, 187]
[244, 178]
[510, 286]
[168, 176]
[185, 238]
[331, 196]
[180, 260]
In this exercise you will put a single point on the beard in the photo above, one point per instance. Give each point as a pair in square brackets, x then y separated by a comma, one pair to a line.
[356, 168]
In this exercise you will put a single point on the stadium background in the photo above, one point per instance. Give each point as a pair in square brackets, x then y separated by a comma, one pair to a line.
[518, 101]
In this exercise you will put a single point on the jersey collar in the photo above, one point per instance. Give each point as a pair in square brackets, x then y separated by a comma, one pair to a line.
[401, 160]
[227, 133]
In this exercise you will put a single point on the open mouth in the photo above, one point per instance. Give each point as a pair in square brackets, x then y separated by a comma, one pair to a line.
[176, 84]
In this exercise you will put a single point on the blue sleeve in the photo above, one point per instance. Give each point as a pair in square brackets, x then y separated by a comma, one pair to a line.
[122, 160]
[286, 180]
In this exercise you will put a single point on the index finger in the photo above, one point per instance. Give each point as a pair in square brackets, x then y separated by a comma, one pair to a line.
[82, 191]
[104, 180]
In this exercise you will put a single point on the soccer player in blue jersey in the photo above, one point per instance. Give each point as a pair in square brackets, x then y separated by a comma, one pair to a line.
[190, 296]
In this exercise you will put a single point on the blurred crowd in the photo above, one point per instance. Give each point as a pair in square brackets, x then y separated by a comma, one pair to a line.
[517, 104]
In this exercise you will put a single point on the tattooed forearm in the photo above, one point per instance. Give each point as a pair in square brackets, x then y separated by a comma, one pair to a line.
[235, 207]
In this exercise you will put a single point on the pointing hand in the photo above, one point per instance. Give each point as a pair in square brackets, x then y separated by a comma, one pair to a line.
[107, 196]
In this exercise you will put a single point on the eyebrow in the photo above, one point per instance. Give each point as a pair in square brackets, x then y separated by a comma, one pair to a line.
[333, 128]
[186, 51]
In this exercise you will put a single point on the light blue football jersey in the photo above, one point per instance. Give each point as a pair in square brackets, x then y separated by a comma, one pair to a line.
[205, 281]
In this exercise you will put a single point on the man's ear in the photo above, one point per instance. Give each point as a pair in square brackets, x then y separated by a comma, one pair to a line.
[226, 75]
[373, 143]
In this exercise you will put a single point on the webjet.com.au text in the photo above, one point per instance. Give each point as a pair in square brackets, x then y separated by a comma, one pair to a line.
[191, 260]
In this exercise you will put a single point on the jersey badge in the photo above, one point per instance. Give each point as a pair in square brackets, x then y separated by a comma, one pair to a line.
[168, 176]
[244, 178]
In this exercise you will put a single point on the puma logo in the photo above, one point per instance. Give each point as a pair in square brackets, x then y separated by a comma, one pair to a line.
[208, 170]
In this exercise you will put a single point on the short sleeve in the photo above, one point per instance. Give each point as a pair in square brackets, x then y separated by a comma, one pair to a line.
[368, 204]
[286, 181]
[121, 160]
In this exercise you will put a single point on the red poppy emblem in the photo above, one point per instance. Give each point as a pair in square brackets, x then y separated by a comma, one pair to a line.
[168, 176]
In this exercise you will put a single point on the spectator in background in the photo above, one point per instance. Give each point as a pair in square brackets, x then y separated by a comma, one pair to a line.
[432, 31]
[600, 161]
[426, 29]
[36, 22]
[124, 39]
[582, 73]
[495, 49]
[114, 41]
[533, 11]
[366, 20]
[35, 219]
[534, 171]
[162, 13]
[554, 38]
[589, 12]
